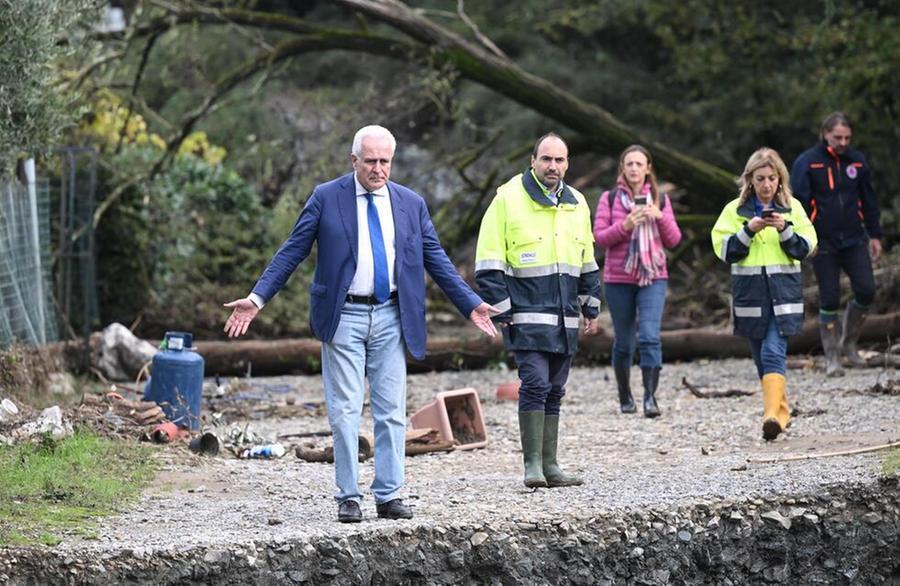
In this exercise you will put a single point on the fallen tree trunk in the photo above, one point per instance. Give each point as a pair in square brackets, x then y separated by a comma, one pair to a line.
[470, 352]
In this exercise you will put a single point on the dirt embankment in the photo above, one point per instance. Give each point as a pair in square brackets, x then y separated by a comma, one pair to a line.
[840, 535]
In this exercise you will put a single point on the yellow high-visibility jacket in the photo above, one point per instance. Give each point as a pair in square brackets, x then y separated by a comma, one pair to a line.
[765, 267]
[535, 262]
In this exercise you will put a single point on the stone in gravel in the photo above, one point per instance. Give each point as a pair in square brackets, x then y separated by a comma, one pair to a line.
[776, 517]
[684, 536]
[872, 518]
[456, 560]
[214, 556]
[637, 552]
[478, 538]
[275, 521]
[200, 488]
[811, 518]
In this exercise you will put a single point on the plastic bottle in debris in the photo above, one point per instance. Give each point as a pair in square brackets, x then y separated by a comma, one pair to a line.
[266, 451]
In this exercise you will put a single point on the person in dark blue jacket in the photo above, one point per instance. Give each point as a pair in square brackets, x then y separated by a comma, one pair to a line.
[834, 183]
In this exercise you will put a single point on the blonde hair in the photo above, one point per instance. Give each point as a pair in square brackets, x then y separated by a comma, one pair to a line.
[651, 172]
[765, 157]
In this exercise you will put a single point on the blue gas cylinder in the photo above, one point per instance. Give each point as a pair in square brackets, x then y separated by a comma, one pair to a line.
[176, 380]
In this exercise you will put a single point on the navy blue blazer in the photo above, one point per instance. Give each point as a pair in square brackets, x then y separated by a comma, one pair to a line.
[329, 218]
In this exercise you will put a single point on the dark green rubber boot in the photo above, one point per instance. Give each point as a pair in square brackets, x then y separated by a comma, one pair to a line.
[552, 472]
[531, 431]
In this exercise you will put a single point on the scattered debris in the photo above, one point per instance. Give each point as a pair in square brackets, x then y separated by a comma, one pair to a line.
[164, 433]
[265, 451]
[120, 354]
[139, 412]
[418, 441]
[798, 412]
[49, 422]
[309, 452]
[715, 394]
[424, 441]
[8, 409]
[206, 444]
[457, 416]
[890, 388]
[508, 391]
[813, 456]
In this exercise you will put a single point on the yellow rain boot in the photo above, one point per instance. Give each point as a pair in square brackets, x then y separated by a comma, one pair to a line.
[776, 412]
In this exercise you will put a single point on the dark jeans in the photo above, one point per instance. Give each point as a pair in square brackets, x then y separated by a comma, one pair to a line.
[770, 353]
[638, 310]
[857, 263]
[543, 376]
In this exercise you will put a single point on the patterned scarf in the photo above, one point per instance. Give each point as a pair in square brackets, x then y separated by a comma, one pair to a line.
[646, 256]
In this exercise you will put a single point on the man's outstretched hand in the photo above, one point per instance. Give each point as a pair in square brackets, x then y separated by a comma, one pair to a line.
[481, 317]
[243, 313]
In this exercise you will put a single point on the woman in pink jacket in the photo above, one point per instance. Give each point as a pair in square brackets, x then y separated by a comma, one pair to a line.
[635, 223]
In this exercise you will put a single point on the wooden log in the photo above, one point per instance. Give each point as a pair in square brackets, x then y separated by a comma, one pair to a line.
[472, 351]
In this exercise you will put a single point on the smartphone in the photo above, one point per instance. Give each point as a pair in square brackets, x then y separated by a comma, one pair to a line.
[768, 213]
[640, 200]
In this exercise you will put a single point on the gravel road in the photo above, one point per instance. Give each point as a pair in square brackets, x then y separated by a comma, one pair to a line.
[697, 451]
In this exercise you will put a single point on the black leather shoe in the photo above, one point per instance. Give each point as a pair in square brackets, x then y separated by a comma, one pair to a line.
[394, 509]
[349, 512]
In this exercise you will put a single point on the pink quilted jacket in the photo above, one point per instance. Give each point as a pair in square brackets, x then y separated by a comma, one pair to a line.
[611, 235]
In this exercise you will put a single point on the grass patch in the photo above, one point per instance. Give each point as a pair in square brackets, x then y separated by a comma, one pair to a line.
[891, 464]
[52, 488]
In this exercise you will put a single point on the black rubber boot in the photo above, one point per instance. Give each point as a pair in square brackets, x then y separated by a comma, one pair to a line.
[651, 382]
[552, 472]
[830, 332]
[531, 432]
[854, 318]
[623, 381]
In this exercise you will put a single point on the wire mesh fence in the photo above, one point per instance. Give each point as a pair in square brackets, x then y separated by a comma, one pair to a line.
[27, 312]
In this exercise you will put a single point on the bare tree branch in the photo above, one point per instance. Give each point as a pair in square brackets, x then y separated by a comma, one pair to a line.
[460, 10]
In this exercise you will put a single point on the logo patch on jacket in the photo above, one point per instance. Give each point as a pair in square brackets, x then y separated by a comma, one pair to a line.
[851, 172]
[527, 258]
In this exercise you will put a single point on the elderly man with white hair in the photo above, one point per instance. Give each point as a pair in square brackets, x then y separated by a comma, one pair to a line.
[367, 305]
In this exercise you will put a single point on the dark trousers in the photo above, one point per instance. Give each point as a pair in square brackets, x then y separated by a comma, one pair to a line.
[856, 262]
[543, 376]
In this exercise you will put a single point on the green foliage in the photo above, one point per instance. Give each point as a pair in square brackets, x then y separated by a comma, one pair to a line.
[33, 113]
[56, 486]
[181, 244]
[721, 79]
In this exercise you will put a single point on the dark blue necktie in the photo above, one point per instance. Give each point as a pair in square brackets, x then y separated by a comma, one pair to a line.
[379, 257]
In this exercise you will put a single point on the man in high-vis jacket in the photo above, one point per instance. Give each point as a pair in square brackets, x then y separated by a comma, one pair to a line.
[535, 263]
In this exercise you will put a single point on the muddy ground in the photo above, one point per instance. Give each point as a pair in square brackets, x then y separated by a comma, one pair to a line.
[684, 498]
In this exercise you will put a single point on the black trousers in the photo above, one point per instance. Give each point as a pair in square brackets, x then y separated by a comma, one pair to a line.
[543, 376]
[856, 262]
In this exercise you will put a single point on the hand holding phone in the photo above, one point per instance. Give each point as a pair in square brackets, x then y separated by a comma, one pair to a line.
[640, 200]
[768, 213]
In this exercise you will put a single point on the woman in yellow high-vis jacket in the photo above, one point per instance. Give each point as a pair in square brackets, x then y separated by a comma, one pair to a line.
[763, 235]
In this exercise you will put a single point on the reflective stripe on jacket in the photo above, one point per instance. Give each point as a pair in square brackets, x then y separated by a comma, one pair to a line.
[535, 262]
[836, 191]
[765, 267]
